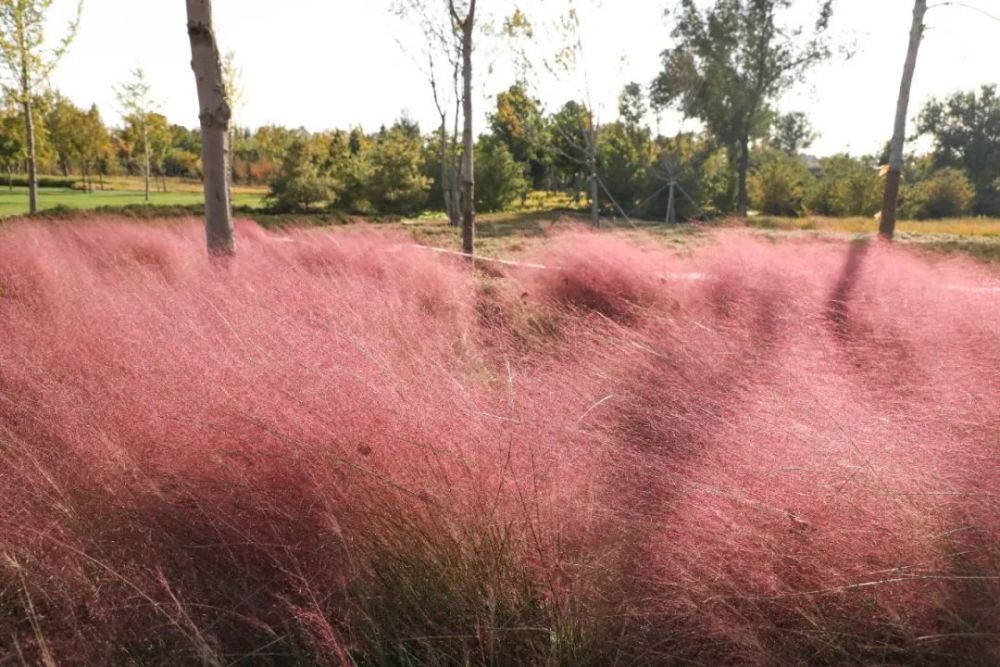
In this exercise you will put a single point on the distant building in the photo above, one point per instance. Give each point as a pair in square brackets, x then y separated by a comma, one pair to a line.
[811, 162]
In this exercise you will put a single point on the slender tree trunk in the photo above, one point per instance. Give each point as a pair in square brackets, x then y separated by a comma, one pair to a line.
[887, 225]
[29, 130]
[455, 170]
[468, 160]
[215, 115]
[145, 158]
[742, 198]
[446, 188]
[10, 178]
[595, 194]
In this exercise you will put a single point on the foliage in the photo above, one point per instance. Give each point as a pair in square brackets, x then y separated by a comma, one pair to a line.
[792, 133]
[946, 193]
[397, 184]
[966, 132]
[500, 179]
[778, 185]
[624, 161]
[298, 185]
[731, 61]
[847, 186]
[518, 122]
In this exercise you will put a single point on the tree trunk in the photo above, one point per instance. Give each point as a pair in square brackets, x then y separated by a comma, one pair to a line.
[595, 209]
[742, 198]
[10, 178]
[887, 225]
[468, 160]
[145, 158]
[446, 190]
[215, 115]
[29, 130]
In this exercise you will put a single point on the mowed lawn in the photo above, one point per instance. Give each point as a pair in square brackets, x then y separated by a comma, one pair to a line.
[15, 202]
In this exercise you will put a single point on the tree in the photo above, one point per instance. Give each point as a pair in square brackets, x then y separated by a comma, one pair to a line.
[137, 102]
[90, 141]
[946, 193]
[792, 133]
[500, 181]
[465, 24]
[160, 140]
[966, 132]
[571, 130]
[397, 184]
[28, 63]
[298, 184]
[11, 145]
[519, 123]
[214, 113]
[63, 122]
[778, 185]
[847, 186]
[887, 224]
[441, 63]
[632, 104]
[731, 61]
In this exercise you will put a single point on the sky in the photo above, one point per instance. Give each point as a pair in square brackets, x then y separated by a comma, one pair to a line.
[324, 64]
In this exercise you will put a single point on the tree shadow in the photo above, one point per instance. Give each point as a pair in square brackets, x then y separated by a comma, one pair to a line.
[838, 311]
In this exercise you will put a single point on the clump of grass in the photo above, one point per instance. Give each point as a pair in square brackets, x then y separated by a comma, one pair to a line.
[345, 450]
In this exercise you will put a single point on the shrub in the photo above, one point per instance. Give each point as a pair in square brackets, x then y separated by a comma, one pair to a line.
[396, 184]
[778, 186]
[847, 187]
[298, 185]
[500, 180]
[946, 193]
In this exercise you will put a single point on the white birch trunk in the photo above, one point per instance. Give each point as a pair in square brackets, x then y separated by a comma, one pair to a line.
[215, 115]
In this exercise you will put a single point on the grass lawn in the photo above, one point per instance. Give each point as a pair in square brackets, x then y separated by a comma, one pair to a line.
[121, 192]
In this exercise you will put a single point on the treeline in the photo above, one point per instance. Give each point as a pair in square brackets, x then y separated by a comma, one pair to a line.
[74, 142]
[400, 170]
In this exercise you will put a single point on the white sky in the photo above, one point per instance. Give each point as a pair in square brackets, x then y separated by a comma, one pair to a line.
[336, 63]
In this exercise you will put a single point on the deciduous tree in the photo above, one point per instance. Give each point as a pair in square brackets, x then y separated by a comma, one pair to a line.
[28, 59]
[214, 112]
[731, 60]
[136, 100]
[887, 225]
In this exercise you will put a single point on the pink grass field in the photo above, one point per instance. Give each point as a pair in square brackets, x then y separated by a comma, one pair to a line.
[339, 449]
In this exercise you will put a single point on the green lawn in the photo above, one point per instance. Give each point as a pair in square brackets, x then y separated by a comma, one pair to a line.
[15, 202]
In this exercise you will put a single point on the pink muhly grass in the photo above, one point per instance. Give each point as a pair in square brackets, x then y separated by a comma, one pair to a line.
[341, 449]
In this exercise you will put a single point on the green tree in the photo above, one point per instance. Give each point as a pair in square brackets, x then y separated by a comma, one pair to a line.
[63, 122]
[792, 133]
[625, 154]
[946, 193]
[11, 144]
[298, 185]
[632, 107]
[135, 98]
[89, 142]
[28, 63]
[500, 179]
[569, 133]
[519, 123]
[778, 184]
[397, 183]
[731, 61]
[966, 132]
[160, 139]
[847, 186]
